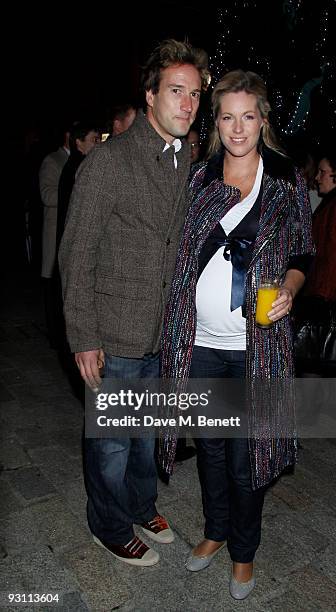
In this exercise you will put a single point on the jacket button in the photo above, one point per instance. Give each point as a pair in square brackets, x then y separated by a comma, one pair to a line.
[168, 242]
[164, 284]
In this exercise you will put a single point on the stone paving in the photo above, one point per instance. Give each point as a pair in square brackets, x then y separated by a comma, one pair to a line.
[45, 544]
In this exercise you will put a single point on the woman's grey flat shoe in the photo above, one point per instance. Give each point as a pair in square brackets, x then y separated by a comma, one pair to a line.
[195, 564]
[241, 590]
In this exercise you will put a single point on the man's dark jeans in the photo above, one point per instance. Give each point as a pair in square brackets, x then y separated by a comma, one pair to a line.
[231, 508]
[121, 479]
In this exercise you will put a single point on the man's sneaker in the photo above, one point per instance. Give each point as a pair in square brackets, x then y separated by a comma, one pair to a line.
[135, 552]
[159, 530]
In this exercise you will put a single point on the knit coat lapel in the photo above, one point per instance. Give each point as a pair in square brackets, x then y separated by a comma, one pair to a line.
[274, 209]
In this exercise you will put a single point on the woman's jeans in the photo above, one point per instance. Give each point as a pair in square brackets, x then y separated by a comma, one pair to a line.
[231, 508]
[121, 478]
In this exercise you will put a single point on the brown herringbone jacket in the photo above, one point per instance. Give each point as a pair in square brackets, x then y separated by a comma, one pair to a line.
[118, 251]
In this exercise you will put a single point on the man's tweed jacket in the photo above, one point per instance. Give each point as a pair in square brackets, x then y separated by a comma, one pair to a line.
[118, 251]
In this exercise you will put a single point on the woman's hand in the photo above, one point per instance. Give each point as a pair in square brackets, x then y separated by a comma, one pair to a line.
[282, 305]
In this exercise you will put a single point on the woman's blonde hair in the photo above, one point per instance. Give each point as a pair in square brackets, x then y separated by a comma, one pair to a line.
[251, 83]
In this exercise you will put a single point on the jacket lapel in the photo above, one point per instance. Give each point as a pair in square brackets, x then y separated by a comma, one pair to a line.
[159, 169]
[158, 165]
[274, 208]
[173, 185]
[217, 199]
[209, 206]
[182, 170]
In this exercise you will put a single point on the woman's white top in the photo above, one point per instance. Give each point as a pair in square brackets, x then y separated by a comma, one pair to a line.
[217, 326]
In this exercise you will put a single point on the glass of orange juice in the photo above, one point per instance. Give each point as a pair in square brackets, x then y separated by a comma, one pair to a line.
[267, 293]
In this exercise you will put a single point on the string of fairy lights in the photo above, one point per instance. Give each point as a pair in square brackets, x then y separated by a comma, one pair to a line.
[291, 99]
[302, 108]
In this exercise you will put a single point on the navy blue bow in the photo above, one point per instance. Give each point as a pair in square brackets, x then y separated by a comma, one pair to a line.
[236, 251]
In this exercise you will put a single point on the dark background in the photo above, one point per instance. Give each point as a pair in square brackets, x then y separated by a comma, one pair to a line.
[68, 64]
[65, 63]
[84, 63]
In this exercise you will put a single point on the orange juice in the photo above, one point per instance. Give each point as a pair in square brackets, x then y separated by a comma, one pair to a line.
[267, 293]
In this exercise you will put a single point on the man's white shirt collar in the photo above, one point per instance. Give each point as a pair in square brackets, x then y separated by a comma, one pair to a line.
[177, 144]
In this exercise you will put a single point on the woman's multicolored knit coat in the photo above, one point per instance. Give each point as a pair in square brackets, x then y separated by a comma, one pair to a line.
[284, 231]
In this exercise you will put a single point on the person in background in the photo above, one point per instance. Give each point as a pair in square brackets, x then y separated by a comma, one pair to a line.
[49, 175]
[83, 137]
[33, 155]
[122, 117]
[117, 258]
[307, 162]
[321, 280]
[249, 220]
[317, 303]
[309, 172]
[194, 141]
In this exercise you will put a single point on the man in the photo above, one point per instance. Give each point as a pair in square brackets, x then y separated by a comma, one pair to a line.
[194, 141]
[122, 118]
[321, 279]
[83, 137]
[315, 309]
[49, 176]
[117, 259]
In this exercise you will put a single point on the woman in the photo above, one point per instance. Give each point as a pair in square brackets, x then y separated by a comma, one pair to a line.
[321, 281]
[316, 308]
[249, 220]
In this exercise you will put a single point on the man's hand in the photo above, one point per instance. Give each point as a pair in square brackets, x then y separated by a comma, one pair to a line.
[89, 363]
